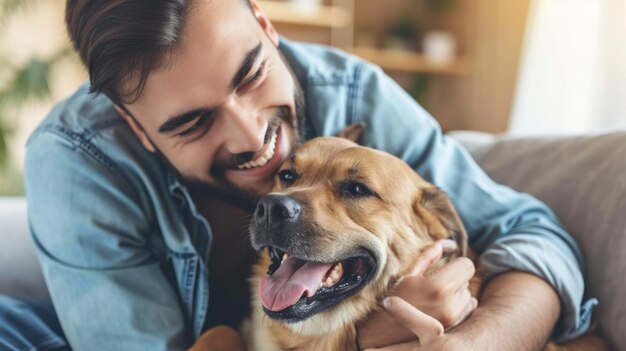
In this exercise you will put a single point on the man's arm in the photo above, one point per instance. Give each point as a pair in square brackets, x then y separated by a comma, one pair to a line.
[508, 301]
[516, 312]
[92, 237]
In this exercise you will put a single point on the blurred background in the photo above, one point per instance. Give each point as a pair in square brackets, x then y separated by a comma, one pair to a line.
[526, 67]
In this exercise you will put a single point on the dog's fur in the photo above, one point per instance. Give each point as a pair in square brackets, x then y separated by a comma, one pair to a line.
[393, 222]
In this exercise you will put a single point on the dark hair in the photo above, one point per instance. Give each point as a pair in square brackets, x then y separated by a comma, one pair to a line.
[122, 41]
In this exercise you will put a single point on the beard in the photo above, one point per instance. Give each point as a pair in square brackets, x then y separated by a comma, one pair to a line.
[229, 192]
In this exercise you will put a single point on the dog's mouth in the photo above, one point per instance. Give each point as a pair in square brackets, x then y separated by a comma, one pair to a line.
[295, 289]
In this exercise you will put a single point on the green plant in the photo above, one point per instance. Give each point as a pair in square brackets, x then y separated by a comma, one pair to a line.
[20, 83]
[404, 30]
[440, 6]
[405, 27]
[419, 87]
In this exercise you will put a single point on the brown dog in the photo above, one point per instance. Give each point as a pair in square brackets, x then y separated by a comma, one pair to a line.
[343, 225]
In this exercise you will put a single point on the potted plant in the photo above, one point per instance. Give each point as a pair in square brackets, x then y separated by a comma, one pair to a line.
[439, 45]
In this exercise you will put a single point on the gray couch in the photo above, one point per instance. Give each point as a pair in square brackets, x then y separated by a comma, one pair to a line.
[582, 178]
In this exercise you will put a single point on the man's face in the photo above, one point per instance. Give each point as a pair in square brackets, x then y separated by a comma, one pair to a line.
[223, 111]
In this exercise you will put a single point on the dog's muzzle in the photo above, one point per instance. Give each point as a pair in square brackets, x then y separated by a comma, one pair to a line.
[274, 215]
[299, 282]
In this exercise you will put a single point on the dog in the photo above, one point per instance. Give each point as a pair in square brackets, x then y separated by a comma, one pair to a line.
[343, 225]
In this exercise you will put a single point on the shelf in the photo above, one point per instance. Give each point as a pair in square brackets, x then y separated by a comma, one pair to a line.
[410, 62]
[338, 18]
[285, 12]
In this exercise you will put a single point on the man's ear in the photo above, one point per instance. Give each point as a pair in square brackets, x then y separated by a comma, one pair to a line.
[440, 218]
[353, 132]
[137, 129]
[264, 21]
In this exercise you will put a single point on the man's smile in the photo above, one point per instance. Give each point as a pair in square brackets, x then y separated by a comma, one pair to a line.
[266, 163]
[268, 151]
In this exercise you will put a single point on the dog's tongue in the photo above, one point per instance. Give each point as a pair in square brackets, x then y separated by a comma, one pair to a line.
[293, 278]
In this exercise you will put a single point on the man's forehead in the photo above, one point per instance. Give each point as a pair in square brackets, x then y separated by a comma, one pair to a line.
[216, 38]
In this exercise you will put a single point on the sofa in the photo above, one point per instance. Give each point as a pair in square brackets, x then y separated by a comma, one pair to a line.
[582, 178]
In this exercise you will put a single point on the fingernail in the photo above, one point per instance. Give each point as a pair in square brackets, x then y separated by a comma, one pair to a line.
[386, 302]
[448, 245]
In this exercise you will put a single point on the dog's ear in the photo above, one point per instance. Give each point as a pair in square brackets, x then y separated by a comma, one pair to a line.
[353, 132]
[440, 218]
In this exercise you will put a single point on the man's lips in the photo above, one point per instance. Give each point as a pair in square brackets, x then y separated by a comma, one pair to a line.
[265, 155]
[281, 150]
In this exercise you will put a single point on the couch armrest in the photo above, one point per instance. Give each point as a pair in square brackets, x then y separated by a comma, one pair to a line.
[20, 274]
[583, 179]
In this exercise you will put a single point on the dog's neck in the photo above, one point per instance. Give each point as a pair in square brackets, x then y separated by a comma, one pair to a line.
[339, 340]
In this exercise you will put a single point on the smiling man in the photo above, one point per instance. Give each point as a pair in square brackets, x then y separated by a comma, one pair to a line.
[139, 186]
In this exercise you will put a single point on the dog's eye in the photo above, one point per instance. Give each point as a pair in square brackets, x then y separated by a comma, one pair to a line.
[356, 189]
[287, 176]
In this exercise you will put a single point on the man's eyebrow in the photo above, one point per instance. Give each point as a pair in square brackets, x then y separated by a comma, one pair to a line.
[246, 65]
[175, 122]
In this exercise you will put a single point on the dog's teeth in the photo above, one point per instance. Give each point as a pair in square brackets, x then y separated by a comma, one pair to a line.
[337, 271]
[285, 256]
[338, 268]
[334, 276]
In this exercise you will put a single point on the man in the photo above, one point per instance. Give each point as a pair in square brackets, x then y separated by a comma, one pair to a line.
[137, 195]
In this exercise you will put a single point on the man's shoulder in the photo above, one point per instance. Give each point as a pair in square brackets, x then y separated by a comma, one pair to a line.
[321, 64]
[83, 117]
[80, 113]
[84, 128]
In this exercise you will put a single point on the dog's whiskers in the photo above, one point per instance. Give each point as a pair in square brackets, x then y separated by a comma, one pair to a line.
[297, 335]
[244, 232]
[315, 322]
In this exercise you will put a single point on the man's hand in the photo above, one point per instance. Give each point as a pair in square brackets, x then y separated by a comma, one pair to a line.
[439, 300]
[517, 312]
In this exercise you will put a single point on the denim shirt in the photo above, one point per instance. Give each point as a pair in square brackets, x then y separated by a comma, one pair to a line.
[125, 250]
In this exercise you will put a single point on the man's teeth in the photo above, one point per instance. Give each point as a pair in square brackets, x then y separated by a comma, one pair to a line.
[334, 276]
[263, 159]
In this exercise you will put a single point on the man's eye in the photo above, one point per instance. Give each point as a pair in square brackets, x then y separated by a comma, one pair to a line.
[200, 122]
[257, 76]
[287, 177]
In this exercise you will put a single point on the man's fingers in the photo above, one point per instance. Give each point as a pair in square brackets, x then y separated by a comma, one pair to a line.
[469, 309]
[431, 255]
[466, 304]
[448, 246]
[459, 270]
[425, 327]
[426, 259]
[407, 346]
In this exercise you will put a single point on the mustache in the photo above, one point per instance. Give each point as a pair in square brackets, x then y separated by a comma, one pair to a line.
[282, 114]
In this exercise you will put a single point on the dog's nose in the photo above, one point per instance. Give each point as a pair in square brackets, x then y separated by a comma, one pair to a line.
[274, 210]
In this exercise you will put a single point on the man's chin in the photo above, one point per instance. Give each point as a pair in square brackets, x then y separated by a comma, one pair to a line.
[230, 193]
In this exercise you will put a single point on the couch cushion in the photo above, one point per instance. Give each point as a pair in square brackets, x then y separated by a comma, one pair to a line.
[20, 274]
[583, 179]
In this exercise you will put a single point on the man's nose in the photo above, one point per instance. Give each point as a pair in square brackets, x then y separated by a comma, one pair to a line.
[245, 130]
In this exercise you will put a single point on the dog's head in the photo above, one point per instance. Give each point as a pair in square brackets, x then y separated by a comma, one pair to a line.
[343, 224]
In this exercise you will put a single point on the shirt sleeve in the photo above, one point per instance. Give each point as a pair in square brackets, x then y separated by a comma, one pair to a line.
[91, 234]
[508, 229]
